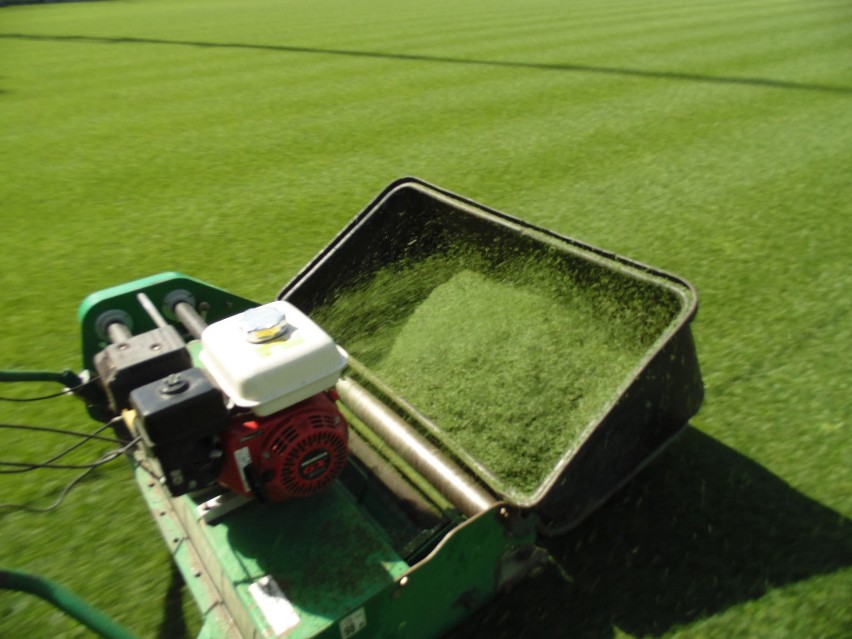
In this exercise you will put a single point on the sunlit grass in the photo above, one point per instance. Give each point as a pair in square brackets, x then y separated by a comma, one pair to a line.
[232, 140]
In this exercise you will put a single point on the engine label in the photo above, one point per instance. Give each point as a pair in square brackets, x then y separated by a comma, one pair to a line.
[242, 457]
[314, 464]
[353, 623]
[276, 608]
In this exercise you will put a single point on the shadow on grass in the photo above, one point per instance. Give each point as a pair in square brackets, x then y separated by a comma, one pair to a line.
[173, 625]
[702, 529]
[543, 66]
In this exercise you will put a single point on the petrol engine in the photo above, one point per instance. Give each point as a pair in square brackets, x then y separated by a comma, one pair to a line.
[253, 409]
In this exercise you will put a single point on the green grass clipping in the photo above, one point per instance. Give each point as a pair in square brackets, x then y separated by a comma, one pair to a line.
[513, 359]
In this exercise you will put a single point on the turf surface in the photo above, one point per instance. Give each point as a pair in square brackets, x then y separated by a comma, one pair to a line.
[231, 140]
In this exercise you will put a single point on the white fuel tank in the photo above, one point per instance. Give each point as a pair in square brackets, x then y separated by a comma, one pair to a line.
[271, 357]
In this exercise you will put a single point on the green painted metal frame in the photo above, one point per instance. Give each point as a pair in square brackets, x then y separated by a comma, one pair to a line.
[338, 566]
[213, 303]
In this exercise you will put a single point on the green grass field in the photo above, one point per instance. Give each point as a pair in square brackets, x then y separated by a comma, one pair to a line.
[232, 140]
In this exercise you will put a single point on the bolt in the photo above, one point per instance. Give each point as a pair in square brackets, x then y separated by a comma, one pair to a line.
[173, 385]
[396, 594]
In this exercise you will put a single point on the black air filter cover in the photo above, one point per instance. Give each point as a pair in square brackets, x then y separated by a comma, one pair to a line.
[181, 406]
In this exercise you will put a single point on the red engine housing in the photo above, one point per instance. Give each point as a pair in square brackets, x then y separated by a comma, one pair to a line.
[295, 452]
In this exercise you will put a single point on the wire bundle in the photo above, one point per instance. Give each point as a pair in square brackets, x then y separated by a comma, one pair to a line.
[53, 463]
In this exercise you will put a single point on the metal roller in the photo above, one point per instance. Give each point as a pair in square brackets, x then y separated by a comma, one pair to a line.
[190, 318]
[450, 480]
[118, 332]
[410, 501]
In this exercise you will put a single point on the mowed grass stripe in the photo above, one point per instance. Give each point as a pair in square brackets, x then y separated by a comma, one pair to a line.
[688, 162]
[342, 91]
[331, 100]
[653, 43]
[429, 19]
[584, 161]
[237, 163]
[625, 30]
[598, 131]
[719, 53]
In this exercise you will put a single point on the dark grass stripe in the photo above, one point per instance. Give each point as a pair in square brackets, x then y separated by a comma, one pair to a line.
[576, 68]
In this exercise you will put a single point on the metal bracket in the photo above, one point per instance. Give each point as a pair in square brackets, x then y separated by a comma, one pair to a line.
[516, 564]
[216, 507]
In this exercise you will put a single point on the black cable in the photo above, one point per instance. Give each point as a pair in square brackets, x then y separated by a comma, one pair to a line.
[64, 391]
[46, 509]
[62, 431]
[25, 467]
[48, 466]
[108, 457]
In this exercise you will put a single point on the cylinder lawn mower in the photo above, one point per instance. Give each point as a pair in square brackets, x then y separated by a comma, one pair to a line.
[307, 491]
